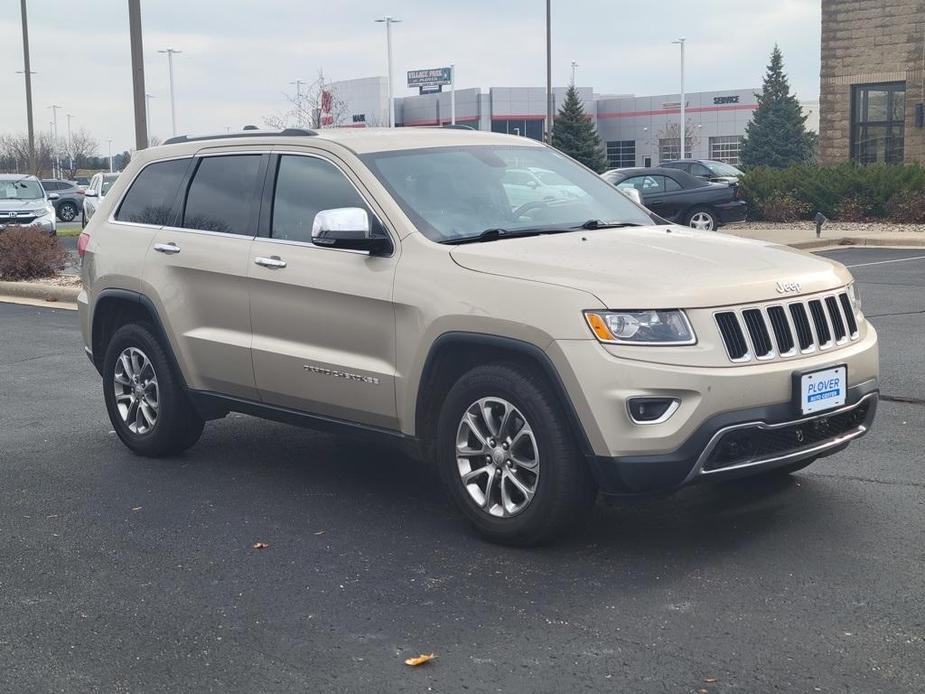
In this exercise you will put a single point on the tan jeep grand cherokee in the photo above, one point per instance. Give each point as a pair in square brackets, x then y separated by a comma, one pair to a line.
[540, 343]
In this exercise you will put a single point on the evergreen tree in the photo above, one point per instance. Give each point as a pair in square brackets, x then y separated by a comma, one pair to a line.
[776, 135]
[574, 134]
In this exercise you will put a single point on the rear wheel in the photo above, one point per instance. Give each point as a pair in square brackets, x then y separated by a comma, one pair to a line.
[67, 211]
[702, 218]
[507, 456]
[144, 398]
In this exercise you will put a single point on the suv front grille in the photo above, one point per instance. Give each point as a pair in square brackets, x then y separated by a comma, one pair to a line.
[784, 330]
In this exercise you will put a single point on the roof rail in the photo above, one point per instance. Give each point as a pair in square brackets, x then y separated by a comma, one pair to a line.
[247, 132]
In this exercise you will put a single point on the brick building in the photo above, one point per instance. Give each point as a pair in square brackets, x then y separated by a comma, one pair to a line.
[872, 91]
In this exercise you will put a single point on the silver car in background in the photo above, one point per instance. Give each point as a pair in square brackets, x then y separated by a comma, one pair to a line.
[24, 202]
[94, 194]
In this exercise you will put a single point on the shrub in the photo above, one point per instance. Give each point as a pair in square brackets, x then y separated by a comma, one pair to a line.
[29, 253]
[907, 207]
[846, 191]
[783, 208]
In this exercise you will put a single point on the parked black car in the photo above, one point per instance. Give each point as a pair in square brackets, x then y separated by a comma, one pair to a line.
[70, 198]
[682, 198]
[707, 169]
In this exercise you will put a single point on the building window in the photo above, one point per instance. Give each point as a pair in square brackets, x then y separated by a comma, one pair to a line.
[532, 128]
[878, 113]
[621, 154]
[726, 148]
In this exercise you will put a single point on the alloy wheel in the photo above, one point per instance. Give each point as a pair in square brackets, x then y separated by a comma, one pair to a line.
[136, 391]
[498, 457]
[703, 221]
[67, 212]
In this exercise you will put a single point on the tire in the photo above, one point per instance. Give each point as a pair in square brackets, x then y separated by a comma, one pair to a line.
[67, 211]
[176, 425]
[83, 220]
[703, 218]
[562, 486]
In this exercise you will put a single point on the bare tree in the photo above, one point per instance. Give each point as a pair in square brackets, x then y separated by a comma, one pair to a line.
[83, 146]
[316, 105]
[669, 138]
[19, 157]
[154, 141]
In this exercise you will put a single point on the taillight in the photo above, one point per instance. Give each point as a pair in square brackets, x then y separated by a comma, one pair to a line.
[82, 242]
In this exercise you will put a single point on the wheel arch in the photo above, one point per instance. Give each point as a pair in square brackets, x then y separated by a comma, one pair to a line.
[454, 353]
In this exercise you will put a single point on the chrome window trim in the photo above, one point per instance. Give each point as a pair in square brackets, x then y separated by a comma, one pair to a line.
[698, 471]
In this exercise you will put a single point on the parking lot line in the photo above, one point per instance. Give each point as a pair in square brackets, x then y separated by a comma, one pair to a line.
[881, 262]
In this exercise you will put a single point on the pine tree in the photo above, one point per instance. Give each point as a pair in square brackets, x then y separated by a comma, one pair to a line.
[574, 134]
[776, 135]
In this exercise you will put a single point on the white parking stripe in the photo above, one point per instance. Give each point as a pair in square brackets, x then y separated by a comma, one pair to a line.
[881, 262]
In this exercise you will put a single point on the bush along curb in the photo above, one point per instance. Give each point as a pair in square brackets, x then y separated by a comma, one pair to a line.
[39, 291]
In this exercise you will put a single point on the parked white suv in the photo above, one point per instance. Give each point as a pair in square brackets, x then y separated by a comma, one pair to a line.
[541, 350]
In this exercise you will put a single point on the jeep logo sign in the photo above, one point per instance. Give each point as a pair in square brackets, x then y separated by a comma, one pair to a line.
[787, 287]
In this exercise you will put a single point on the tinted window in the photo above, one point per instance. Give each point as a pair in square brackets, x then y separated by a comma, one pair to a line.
[699, 170]
[152, 194]
[304, 187]
[671, 185]
[51, 185]
[646, 185]
[222, 193]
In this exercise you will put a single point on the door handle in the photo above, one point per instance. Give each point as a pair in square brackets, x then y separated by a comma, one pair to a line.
[274, 262]
[168, 248]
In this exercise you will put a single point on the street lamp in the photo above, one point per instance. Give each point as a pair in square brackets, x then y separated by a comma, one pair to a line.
[54, 136]
[680, 42]
[298, 100]
[70, 150]
[574, 65]
[389, 21]
[110, 155]
[549, 98]
[173, 111]
[148, 98]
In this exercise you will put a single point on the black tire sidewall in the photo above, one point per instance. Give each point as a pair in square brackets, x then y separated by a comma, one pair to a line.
[177, 426]
[67, 206]
[559, 458]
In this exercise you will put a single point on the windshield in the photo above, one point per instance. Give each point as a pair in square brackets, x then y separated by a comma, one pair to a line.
[718, 168]
[107, 183]
[451, 193]
[23, 189]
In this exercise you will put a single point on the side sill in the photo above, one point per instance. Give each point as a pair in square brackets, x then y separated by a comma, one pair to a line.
[215, 406]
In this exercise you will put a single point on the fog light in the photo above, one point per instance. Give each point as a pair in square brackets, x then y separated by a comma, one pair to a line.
[651, 410]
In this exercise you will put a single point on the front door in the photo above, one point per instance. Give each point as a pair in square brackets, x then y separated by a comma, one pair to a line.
[323, 320]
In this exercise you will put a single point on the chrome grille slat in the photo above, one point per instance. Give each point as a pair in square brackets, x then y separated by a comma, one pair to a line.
[780, 331]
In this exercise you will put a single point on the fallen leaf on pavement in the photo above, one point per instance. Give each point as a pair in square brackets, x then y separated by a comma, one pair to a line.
[420, 660]
[261, 545]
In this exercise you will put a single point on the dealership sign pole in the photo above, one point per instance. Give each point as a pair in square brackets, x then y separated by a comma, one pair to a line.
[680, 42]
[453, 94]
[432, 81]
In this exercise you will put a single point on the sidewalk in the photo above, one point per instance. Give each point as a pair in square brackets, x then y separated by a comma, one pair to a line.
[804, 235]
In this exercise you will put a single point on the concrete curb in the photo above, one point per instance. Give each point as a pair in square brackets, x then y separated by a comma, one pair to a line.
[860, 241]
[37, 290]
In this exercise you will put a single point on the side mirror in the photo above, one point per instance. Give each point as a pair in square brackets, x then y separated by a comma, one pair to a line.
[53, 196]
[89, 193]
[348, 228]
[632, 194]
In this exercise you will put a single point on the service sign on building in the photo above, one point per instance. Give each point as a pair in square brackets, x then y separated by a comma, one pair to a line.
[432, 77]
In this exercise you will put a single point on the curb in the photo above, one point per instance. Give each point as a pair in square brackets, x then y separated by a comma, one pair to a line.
[42, 292]
[859, 241]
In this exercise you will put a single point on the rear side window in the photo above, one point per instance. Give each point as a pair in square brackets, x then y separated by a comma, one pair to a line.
[304, 187]
[151, 196]
[222, 194]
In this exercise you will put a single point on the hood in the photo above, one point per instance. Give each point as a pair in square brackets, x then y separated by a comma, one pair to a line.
[17, 205]
[656, 267]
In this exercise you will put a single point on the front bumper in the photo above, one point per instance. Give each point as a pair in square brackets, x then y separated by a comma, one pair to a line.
[45, 223]
[776, 437]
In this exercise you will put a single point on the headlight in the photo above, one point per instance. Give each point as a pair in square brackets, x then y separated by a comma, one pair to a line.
[855, 295]
[634, 327]
[41, 212]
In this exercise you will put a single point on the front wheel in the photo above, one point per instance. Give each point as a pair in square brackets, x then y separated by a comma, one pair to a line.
[67, 211]
[702, 218]
[144, 398]
[508, 459]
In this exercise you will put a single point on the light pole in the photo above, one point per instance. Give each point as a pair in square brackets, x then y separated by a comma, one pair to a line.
[574, 65]
[148, 98]
[298, 100]
[110, 155]
[54, 145]
[549, 97]
[173, 111]
[389, 21]
[27, 72]
[680, 42]
[70, 150]
[453, 94]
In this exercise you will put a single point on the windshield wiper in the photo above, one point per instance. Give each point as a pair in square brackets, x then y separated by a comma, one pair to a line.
[600, 224]
[496, 233]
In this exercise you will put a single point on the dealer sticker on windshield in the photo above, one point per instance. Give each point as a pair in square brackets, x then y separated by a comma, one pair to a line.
[823, 390]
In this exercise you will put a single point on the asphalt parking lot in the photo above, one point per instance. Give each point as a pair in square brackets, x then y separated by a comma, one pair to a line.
[120, 573]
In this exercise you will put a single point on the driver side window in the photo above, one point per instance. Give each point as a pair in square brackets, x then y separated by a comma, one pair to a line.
[306, 185]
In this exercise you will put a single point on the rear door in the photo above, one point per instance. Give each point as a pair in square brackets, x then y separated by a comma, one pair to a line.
[196, 271]
[323, 319]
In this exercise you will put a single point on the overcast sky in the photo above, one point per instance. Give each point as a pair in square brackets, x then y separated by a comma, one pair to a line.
[237, 60]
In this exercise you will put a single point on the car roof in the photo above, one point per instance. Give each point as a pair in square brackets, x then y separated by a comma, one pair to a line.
[359, 140]
[683, 177]
[17, 177]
